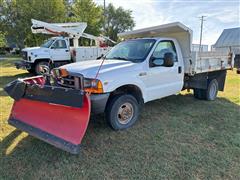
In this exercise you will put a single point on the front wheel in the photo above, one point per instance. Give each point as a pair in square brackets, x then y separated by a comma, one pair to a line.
[37, 66]
[122, 111]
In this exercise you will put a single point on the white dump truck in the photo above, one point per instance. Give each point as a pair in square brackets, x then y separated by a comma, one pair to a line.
[149, 64]
[63, 48]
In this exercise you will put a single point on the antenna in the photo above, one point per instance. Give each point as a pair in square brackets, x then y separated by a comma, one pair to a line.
[200, 44]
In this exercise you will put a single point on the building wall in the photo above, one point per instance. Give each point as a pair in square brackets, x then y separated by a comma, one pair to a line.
[195, 47]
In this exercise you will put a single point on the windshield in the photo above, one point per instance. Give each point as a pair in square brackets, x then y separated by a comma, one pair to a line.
[132, 50]
[48, 43]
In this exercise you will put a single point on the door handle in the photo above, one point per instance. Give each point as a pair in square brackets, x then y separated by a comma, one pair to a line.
[142, 74]
[179, 69]
[67, 50]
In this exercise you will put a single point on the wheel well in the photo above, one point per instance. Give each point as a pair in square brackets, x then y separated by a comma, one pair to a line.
[39, 60]
[129, 89]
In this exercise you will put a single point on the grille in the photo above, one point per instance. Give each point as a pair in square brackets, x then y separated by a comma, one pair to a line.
[71, 82]
[24, 55]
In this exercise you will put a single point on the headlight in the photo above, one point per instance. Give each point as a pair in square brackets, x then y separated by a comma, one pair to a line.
[93, 85]
[58, 72]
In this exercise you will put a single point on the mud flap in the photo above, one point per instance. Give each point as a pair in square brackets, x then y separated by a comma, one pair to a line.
[40, 113]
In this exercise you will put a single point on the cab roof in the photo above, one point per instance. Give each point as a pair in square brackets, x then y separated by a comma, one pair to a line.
[175, 30]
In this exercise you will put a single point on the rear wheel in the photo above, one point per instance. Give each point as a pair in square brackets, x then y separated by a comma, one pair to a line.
[238, 71]
[207, 94]
[212, 90]
[38, 65]
[122, 111]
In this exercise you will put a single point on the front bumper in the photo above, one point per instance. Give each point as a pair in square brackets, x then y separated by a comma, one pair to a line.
[99, 102]
[23, 65]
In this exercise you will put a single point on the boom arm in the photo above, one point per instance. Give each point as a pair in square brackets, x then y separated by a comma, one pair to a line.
[70, 29]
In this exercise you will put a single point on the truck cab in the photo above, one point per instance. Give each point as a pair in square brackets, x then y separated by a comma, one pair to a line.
[55, 49]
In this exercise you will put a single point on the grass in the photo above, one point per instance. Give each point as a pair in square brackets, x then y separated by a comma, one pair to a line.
[177, 137]
[10, 56]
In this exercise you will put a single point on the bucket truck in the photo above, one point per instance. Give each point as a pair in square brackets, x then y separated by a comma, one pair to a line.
[63, 48]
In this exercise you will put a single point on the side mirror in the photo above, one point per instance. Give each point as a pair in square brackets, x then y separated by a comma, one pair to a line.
[168, 59]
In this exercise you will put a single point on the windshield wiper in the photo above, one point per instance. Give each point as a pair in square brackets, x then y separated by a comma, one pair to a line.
[120, 58]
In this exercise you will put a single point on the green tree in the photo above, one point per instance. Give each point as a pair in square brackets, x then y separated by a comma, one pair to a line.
[87, 11]
[16, 18]
[3, 42]
[117, 21]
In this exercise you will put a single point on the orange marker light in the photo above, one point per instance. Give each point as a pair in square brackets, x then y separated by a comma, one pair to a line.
[63, 72]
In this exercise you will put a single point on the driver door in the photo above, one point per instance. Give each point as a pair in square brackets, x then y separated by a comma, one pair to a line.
[163, 81]
[60, 51]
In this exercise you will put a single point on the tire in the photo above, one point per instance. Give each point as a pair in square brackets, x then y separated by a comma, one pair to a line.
[199, 93]
[196, 93]
[37, 65]
[210, 93]
[31, 71]
[122, 111]
[212, 90]
[238, 71]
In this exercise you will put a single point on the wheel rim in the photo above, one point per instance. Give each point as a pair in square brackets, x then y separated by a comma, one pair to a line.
[213, 91]
[125, 113]
[38, 67]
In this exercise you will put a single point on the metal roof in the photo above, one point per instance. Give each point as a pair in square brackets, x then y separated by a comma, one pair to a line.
[229, 38]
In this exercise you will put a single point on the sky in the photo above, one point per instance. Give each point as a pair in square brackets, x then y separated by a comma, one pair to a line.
[220, 14]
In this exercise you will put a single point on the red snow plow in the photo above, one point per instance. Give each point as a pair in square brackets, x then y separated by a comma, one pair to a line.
[54, 114]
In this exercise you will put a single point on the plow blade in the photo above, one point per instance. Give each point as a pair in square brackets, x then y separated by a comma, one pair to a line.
[42, 115]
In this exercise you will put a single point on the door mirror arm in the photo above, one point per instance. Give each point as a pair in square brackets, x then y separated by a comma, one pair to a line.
[151, 63]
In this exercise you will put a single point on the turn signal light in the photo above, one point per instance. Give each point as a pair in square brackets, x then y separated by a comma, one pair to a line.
[96, 87]
[60, 73]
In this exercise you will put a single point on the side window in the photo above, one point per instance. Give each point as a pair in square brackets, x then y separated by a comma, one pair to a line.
[60, 44]
[162, 48]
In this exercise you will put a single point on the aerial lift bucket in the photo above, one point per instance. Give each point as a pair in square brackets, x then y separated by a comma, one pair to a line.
[56, 115]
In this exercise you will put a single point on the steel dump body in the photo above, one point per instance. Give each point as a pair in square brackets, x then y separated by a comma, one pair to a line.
[202, 62]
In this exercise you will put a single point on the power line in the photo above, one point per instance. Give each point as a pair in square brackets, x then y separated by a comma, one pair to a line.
[201, 32]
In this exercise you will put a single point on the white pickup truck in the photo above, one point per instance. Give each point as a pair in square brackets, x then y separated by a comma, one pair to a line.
[62, 49]
[150, 64]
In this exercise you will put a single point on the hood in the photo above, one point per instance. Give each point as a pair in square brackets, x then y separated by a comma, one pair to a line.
[34, 49]
[90, 68]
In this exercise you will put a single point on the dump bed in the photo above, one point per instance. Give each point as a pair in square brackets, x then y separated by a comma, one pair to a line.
[201, 62]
